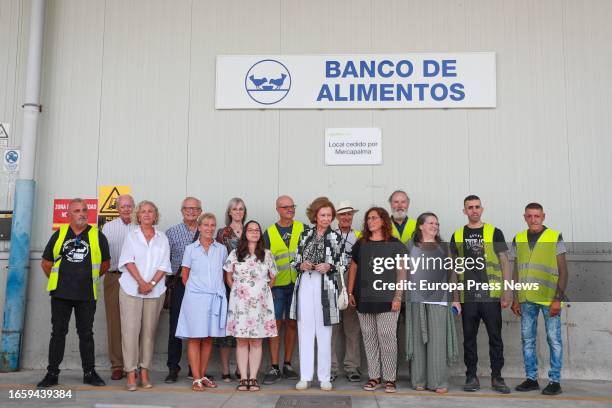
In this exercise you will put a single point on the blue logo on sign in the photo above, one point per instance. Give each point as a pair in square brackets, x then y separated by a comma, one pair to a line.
[11, 156]
[267, 82]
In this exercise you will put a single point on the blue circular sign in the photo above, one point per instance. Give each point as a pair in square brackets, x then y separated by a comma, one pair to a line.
[267, 82]
[11, 156]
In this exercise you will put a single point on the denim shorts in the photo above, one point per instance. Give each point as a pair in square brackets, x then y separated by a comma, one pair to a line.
[282, 296]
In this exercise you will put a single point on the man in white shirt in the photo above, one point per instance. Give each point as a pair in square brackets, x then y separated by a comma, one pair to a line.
[115, 232]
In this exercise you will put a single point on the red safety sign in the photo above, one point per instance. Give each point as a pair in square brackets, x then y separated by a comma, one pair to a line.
[60, 211]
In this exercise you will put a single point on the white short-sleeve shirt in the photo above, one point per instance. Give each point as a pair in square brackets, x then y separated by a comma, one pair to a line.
[148, 257]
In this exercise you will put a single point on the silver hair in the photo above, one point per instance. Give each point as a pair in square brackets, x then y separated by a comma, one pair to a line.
[399, 191]
[232, 203]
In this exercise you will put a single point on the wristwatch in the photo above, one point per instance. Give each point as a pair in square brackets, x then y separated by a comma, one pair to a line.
[153, 283]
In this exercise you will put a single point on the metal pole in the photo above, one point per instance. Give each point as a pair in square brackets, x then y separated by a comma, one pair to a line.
[19, 258]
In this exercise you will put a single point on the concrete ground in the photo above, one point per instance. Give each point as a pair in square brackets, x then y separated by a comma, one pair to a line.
[575, 394]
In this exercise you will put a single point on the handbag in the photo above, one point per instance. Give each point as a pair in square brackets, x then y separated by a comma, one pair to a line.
[343, 300]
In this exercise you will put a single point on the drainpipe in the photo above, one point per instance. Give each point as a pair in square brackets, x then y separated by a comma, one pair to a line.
[19, 258]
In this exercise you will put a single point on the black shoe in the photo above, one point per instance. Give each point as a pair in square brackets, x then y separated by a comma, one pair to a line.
[190, 374]
[333, 376]
[353, 376]
[50, 380]
[92, 378]
[172, 376]
[499, 385]
[272, 377]
[289, 373]
[471, 384]
[528, 385]
[553, 388]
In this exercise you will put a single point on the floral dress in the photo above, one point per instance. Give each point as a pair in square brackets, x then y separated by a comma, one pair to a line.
[250, 312]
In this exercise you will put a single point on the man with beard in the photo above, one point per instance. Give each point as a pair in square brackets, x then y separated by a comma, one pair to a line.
[403, 226]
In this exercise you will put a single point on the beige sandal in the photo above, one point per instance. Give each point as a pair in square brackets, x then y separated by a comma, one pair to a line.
[207, 382]
[197, 385]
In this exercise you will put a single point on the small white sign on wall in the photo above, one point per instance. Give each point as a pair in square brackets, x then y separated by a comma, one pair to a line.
[353, 146]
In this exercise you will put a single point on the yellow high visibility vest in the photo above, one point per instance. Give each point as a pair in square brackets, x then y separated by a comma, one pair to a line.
[283, 255]
[357, 233]
[408, 230]
[493, 267]
[538, 265]
[95, 252]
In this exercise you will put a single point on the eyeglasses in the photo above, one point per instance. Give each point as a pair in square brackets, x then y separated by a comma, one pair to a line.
[287, 207]
[193, 209]
[253, 230]
[373, 218]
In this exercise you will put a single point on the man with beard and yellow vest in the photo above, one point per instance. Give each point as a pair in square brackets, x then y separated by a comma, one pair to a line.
[483, 251]
[539, 260]
[282, 239]
[403, 226]
[75, 258]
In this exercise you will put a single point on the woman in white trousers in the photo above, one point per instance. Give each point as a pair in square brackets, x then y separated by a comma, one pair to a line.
[315, 297]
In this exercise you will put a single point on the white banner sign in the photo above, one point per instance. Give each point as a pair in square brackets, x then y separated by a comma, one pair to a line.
[414, 80]
[353, 146]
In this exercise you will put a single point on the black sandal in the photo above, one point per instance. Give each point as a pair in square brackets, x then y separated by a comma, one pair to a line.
[243, 385]
[254, 385]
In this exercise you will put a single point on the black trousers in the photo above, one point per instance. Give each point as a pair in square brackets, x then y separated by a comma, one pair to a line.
[175, 345]
[490, 313]
[61, 310]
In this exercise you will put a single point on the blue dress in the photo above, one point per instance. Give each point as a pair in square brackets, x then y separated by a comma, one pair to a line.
[204, 308]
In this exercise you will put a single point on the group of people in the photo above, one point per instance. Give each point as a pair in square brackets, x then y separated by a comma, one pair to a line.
[235, 286]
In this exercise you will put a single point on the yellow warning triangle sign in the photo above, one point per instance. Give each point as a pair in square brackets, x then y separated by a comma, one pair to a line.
[109, 205]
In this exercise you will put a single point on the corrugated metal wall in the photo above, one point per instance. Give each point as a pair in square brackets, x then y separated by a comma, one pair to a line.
[128, 92]
[128, 95]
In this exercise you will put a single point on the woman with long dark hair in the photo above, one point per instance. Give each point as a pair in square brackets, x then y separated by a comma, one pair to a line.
[250, 271]
[235, 215]
[377, 313]
[431, 339]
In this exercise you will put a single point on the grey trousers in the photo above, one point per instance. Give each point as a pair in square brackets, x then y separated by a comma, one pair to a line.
[428, 368]
[348, 332]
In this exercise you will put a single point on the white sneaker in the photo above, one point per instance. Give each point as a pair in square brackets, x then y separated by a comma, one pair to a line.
[326, 385]
[302, 385]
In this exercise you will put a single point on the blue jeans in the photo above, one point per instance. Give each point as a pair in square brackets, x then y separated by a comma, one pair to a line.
[529, 333]
[282, 296]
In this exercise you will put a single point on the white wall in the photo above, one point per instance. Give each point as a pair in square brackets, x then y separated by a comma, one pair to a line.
[128, 96]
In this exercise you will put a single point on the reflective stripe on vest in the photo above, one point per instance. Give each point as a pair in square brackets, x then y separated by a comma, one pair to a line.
[283, 255]
[538, 265]
[493, 267]
[407, 233]
[95, 253]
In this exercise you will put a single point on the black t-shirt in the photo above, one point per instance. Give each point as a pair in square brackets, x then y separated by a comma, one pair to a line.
[363, 306]
[74, 280]
[473, 247]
